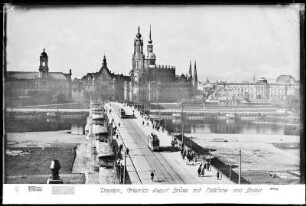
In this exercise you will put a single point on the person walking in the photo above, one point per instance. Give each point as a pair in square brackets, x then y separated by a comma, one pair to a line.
[184, 154]
[199, 171]
[218, 175]
[152, 176]
[202, 172]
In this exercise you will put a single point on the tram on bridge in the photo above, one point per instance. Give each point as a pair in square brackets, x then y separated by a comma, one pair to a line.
[153, 142]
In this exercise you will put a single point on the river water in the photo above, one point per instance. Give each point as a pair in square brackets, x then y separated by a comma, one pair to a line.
[213, 126]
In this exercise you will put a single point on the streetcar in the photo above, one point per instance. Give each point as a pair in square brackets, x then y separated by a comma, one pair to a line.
[153, 142]
[122, 113]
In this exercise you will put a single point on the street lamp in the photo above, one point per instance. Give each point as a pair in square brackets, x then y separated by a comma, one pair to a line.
[124, 174]
[239, 181]
[182, 119]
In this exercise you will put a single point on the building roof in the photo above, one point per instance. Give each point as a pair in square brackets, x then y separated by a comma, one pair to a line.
[57, 75]
[21, 75]
[33, 75]
[285, 79]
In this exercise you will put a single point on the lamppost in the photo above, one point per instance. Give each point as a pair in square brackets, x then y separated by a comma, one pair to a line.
[182, 120]
[239, 180]
[230, 171]
[124, 174]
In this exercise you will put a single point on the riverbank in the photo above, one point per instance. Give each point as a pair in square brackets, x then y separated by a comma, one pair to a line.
[261, 155]
[29, 154]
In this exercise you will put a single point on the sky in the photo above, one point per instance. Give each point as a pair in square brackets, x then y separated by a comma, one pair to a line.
[229, 43]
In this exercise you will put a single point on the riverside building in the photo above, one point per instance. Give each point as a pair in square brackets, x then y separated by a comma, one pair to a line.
[37, 87]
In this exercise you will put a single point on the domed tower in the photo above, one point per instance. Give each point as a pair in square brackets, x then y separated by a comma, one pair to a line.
[138, 58]
[43, 67]
[151, 58]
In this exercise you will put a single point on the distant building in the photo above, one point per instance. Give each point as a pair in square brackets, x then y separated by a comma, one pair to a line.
[42, 87]
[105, 84]
[77, 92]
[157, 83]
[233, 93]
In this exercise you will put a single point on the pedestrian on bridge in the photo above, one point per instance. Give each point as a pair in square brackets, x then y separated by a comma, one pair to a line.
[184, 154]
[199, 170]
[152, 176]
[202, 172]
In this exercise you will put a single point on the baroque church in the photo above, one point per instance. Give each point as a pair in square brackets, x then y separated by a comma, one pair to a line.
[147, 82]
[37, 87]
[152, 83]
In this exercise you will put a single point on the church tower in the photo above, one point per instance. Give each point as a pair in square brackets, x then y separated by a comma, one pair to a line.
[138, 58]
[190, 73]
[43, 67]
[195, 76]
[151, 58]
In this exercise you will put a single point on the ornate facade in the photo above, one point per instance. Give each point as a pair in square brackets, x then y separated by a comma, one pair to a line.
[104, 84]
[155, 83]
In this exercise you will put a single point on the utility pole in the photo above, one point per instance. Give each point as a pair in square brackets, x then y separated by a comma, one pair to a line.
[239, 181]
[159, 115]
[230, 171]
[124, 174]
[182, 119]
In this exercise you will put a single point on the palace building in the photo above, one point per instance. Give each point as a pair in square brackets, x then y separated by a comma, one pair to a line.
[37, 87]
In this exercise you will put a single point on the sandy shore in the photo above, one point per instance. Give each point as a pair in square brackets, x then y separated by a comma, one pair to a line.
[261, 154]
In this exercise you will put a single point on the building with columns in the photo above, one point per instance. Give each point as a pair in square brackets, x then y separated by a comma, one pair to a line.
[42, 87]
[157, 83]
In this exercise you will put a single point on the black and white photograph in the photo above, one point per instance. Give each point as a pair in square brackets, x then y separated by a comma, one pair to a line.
[153, 95]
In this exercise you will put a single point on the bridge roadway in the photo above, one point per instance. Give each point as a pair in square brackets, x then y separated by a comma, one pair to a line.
[168, 166]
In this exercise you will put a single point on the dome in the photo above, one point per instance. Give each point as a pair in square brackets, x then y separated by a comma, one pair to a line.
[138, 35]
[285, 79]
[44, 54]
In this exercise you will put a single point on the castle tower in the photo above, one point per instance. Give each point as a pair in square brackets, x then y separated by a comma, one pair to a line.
[195, 76]
[43, 67]
[151, 58]
[137, 59]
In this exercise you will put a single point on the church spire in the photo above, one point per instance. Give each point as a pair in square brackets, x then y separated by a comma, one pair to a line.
[190, 70]
[150, 39]
[138, 35]
[195, 75]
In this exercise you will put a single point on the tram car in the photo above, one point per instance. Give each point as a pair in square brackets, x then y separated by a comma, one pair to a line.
[122, 113]
[153, 142]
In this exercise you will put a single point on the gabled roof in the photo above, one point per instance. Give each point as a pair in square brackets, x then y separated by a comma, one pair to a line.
[57, 75]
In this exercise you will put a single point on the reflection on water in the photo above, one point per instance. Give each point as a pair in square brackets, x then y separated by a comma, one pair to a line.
[35, 125]
[232, 127]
